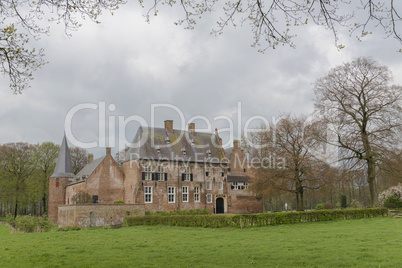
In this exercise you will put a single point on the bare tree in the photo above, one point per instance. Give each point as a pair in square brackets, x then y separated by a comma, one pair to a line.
[286, 162]
[79, 158]
[272, 22]
[20, 20]
[362, 111]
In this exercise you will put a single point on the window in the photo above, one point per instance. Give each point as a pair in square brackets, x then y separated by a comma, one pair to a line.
[167, 140]
[161, 175]
[209, 198]
[171, 194]
[183, 150]
[95, 199]
[239, 185]
[148, 173]
[209, 153]
[244, 170]
[192, 142]
[221, 172]
[207, 172]
[196, 194]
[148, 194]
[220, 185]
[209, 185]
[57, 182]
[187, 174]
[185, 193]
[158, 149]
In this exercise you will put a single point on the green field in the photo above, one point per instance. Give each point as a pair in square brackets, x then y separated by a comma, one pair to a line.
[374, 242]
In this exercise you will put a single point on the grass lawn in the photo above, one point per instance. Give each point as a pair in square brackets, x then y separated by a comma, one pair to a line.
[374, 242]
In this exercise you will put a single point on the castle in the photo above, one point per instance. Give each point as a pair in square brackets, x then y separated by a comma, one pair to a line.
[164, 169]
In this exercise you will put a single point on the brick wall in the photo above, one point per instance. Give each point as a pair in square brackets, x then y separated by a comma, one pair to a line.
[106, 182]
[240, 201]
[87, 215]
[57, 192]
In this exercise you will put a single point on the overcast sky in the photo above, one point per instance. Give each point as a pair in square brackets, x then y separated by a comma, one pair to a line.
[127, 65]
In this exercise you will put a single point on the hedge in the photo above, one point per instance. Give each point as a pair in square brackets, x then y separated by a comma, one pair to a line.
[250, 220]
[180, 212]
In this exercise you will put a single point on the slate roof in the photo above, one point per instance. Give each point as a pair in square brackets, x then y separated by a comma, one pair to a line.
[87, 170]
[150, 143]
[63, 165]
[238, 178]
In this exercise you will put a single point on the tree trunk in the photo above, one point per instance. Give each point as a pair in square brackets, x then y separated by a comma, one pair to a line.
[299, 200]
[44, 212]
[16, 208]
[371, 180]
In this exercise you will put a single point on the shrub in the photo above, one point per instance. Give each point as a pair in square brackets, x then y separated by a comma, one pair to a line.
[181, 212]
[395, 191]
[119, 202]
[393, 201]
[30, 224]
[319, 207]
[355, 204]
[328, 205]
[343, 201]
[250, 220]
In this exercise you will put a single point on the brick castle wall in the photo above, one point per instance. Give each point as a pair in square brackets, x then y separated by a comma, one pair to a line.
[57, 192]
[87, 215]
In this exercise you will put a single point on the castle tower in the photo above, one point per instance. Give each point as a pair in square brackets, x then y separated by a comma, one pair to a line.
[59, 179]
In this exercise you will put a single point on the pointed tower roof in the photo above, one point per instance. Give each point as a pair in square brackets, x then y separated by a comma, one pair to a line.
[63, 165]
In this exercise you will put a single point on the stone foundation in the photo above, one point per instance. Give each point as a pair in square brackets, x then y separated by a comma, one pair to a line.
[87, 215]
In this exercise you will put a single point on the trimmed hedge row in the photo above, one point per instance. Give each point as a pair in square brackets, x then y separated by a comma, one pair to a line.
[250, 220]
[180, 212]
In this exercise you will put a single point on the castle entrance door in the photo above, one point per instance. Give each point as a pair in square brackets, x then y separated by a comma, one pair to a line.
[220, 207]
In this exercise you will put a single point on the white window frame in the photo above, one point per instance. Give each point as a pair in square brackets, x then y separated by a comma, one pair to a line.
[220, 185]
[171, 194]
[240, 185]
[209, 198]
[209, 185]
[197, 194]
[184, 193]
[187, 176]
[148, 194]
[148, 173]
[161, 173]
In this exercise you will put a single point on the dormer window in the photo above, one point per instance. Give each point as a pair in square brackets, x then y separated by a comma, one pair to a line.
[158, 149]
[192, 142]
[167, 140]
[183, 150]
[209, 153]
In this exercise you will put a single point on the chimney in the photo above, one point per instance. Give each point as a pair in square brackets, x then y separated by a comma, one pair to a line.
[90, 158]
[169, 126]
[191, 128]
[236, 143]
[108, 151]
